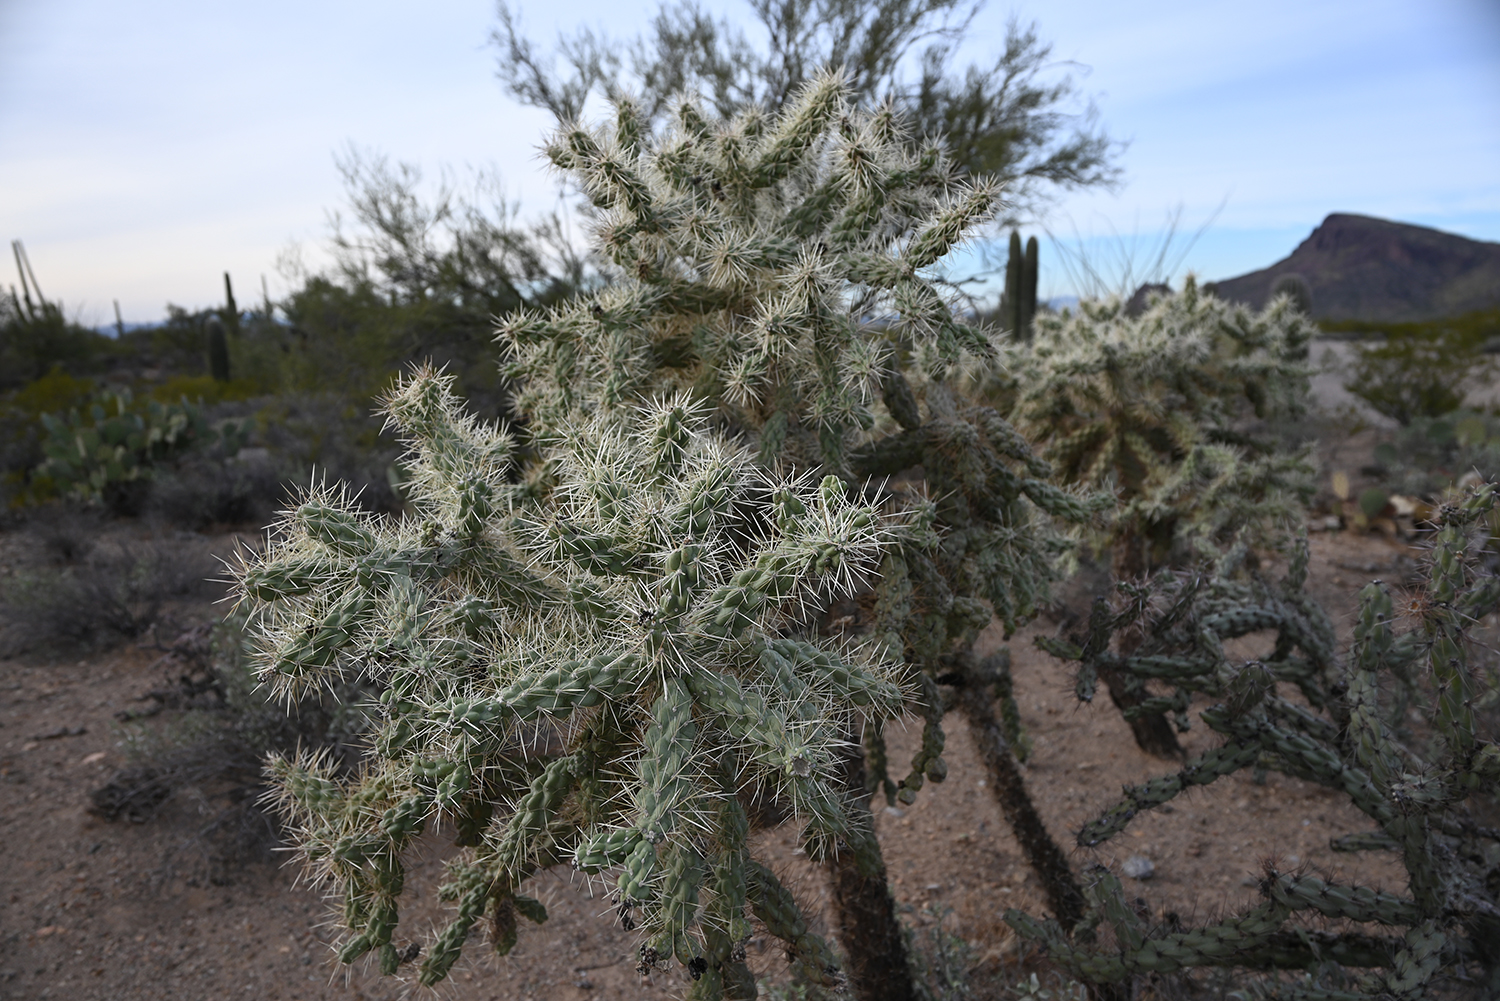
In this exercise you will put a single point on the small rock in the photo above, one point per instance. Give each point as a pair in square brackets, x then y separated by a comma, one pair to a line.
[895, 811]
[1139, 867]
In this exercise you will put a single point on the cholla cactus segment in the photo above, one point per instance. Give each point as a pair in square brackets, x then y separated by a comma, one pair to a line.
[1451, 912]
[767, 265]
[785, 271]
[591, 676]
[1156, 408]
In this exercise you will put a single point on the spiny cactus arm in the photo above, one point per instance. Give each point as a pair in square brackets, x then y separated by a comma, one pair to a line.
[305, 653]
[1208, 767]
[766, 737]
[1069, 506]
[1302, 756]
[828, 544]
[1355, 903]
[557, 692]
[444, 441]
[890, 455]
[874, 692]
[681, 878]
[1195, 671]
[666, 775]
[1372, 746]
[470, 886]
[927, 762]
[520, 847]
[1422, 956]
[1364, 841]
[1249, 939]
[932, 242]
[1177, 703]
[797, 131]
[773, 904]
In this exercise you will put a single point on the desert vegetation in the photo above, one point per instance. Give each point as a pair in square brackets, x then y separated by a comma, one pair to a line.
[633, 564]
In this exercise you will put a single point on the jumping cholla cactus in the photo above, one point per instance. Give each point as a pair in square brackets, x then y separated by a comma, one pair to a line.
[781, 270]
[1450, 915]
[1158, 408]
[778, 269]
[594, 665]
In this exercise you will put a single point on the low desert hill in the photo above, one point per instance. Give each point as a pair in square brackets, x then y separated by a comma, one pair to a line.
[1361, 268]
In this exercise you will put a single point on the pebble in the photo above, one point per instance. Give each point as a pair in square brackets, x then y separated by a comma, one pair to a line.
[1139, 867]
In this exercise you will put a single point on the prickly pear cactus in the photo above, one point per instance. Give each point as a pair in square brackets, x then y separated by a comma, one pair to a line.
[117, 439]
[1161, 409]
[1448, 920]
[592, 664]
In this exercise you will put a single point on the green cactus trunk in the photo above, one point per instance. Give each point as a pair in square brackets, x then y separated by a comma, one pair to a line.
[1010, 302]
[218, 350]
[1028, 289]
[231, 311]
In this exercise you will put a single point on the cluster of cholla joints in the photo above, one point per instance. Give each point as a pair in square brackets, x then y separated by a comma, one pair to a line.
[599, 679]
[1448, 920]
[1169, 408]
[782, 271]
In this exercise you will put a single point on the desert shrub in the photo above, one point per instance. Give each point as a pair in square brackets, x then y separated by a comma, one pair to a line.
[101, 591]
[1423, 369]
[1353, 734]
[220, 726]
[1173, 410]
[37, 338]
[1426, 457]
[202, 491]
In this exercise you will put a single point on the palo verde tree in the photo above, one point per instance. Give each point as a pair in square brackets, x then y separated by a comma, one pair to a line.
[419, 271]
[1350, 731]
[1013, 120]
[601, 672]
[777, 268]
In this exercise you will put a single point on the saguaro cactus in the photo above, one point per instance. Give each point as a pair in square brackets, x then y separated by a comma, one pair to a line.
[1449, 916]
[1018, 302]
[218, 350]
[596, 678]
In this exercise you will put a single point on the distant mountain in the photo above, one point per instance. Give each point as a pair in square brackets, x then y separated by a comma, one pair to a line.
[1361, 268]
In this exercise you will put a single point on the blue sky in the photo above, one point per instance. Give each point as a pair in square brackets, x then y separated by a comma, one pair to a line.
[146, 148]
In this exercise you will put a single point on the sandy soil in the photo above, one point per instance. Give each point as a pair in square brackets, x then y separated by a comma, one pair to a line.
[98, 910]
